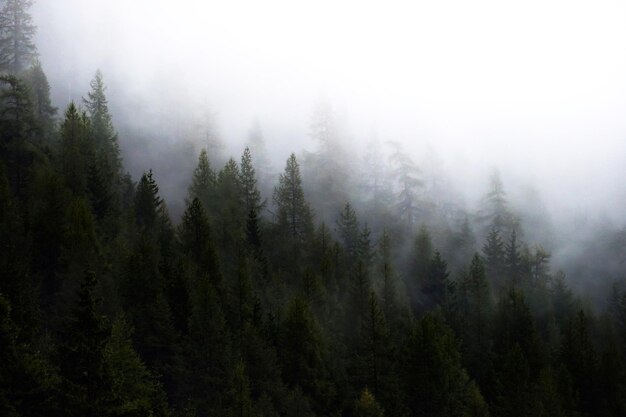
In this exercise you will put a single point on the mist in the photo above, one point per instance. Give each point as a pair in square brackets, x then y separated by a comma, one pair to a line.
[534, 90]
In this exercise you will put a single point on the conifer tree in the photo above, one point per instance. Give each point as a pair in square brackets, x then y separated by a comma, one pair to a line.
[348, 229]
[407, 177]
[197, 243]
[17, 49]
[475, 313]
[39, 87]
[251, 194]
[86, 383]
[76, 150]
[493, 251]
[203, 183]
[16, 112]
[434, 380]
[101, 123]
[134, 390]
[366, 405]
[293, 213]
[148, 203]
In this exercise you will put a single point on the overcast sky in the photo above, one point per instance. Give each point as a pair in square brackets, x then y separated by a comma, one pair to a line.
[537, 88]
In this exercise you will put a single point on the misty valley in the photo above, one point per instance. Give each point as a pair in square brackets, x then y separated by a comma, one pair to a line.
[326, 276]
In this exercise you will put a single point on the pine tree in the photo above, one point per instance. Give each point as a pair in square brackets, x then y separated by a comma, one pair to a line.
[366, 405]
[76, 150]
[407, 177]
[17, 49]
[203, 183]
[437, 287]
[196, 241]
[134, 390]
[39, 87]
[495, 212]
[493, 251]
[251, 194]
[348, 229]
[293, 213]
[102, 129]
[512, 260]
[16, 113]
[475, 314]
[420, 267]
[148, 203]
[86, 384]
[434, 380]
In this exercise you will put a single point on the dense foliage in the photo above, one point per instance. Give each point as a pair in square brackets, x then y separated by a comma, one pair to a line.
[249, 304]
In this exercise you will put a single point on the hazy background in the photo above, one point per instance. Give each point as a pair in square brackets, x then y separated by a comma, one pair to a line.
[536, 88]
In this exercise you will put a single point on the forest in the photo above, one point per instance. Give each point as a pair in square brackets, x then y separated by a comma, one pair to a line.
[332, 287]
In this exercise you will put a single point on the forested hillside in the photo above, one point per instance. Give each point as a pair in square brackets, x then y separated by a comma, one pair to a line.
[335, 288]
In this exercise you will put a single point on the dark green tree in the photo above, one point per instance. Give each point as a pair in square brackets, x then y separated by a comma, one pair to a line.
[102, 125]
[86, 383]
[434, 380]
[203, 183]
[134, 390]
[39, 87]
[348, 229]
[293, 213]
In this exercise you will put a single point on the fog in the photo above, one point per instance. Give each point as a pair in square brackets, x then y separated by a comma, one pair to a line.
[535, 89]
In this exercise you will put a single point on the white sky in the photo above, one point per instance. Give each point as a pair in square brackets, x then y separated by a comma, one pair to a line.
[536, 87]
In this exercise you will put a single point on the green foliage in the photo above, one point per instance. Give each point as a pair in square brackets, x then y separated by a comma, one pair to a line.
[293, 212]
[366, 406]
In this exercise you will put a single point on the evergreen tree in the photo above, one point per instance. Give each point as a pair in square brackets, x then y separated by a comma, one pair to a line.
[420, 266]
[348, 229]
[301, 349]
[86, 384]
[475, 318]
[148, 203]
[134, 390]
[203, 183]
[512, 260]
[495, 212]
[39, 87]
[76, 150]
[493, 251]
[101, 124]
[407, 177]
[17, 49]
[293, 213]
[434, 380]
[196, 241]
[251, 194]
[366, 405]
[437, 287]
[16, 113]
